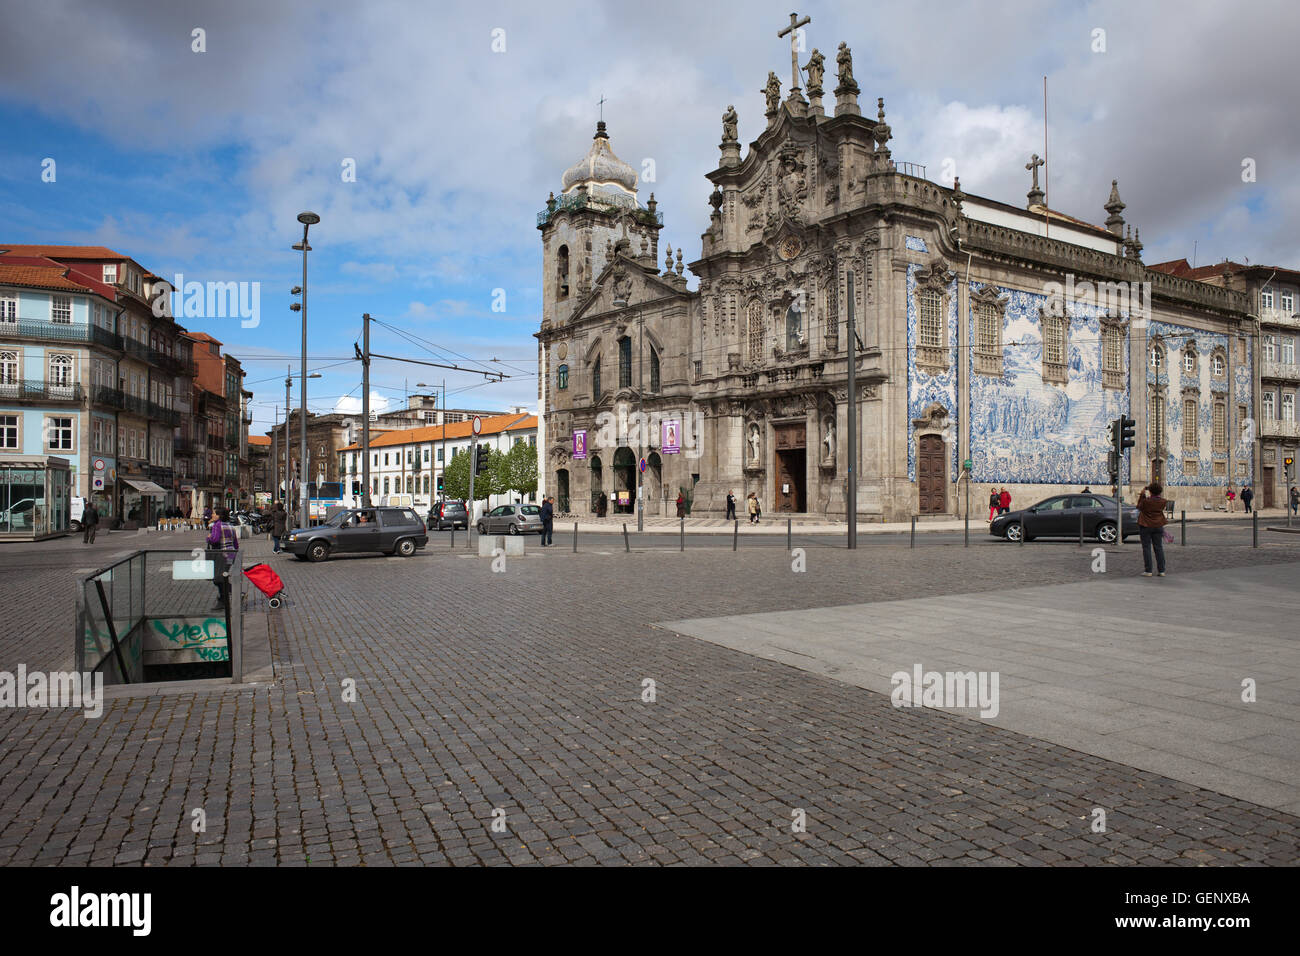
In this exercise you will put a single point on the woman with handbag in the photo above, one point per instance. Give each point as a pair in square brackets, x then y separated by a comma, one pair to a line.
[1151, 524]
[223, 552]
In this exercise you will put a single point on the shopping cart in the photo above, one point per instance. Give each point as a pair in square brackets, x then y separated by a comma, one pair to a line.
[267, 581]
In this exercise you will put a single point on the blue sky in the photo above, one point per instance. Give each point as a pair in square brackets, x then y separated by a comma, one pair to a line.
[199, 162]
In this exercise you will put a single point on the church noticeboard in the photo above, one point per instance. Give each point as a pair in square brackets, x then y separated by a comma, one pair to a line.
[579, 444]
[671, 441]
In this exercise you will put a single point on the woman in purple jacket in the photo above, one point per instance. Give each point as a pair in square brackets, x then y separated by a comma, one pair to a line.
[223, 550]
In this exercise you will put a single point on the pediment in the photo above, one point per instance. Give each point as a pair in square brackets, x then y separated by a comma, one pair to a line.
[623, 283]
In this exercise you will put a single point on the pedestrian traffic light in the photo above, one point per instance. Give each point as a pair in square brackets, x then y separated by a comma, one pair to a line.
[1127, 425]
[481, 464]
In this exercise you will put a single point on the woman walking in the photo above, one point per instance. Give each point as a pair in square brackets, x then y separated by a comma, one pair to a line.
[993, 503]
[223, 552]
[753, 508]
[1151, 527]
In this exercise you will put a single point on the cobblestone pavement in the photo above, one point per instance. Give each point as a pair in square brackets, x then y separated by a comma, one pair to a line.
[517, 696]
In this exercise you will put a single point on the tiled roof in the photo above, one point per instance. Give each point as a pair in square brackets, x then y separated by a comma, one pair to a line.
[64, 252]
[494, 425]
[42, 277]
[260, 440]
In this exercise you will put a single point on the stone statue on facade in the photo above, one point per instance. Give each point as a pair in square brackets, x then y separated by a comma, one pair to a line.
[829, 440]
[730, 125]
[844, 58]
[815, 68]
[773, 92]
[754, 442]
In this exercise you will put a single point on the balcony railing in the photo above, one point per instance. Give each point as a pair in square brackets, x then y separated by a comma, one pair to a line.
[1283, 370]
[1277, 428]
[1280, 317]
[37, 391]
[61, 332]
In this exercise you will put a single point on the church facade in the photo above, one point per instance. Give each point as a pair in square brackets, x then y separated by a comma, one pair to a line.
[1007, 337]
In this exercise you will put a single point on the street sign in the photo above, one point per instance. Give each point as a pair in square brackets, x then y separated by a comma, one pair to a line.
[478, 425]
[99, 464]
[643, 465]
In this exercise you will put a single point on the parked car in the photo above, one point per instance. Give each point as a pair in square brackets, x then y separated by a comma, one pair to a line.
[19, 515]
[1058, 517]
[448, 514]
[358, 530]
[511, 519]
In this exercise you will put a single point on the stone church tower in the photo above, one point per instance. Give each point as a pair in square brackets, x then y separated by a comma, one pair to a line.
[1003, 335]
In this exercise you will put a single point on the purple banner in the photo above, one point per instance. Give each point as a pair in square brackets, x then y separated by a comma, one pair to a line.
[671, 437]
[579, 444]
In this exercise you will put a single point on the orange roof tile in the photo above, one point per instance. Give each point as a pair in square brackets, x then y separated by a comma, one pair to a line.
[64, 252]
[260, 440]
[492, 425]
[40, 277]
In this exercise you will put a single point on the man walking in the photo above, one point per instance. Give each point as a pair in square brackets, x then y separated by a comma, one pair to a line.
[279, 525]
[1151, 527]
[731, 506]
[89, 523]
[1295, 499]
[548, 522]
[1004, 501]
[1247, 495]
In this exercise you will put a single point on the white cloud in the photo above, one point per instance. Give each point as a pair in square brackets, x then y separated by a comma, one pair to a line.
[351, 404]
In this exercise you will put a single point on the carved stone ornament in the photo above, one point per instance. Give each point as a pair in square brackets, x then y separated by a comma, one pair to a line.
[935, 417]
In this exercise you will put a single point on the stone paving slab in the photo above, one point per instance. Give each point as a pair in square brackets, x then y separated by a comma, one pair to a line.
[1165, 696]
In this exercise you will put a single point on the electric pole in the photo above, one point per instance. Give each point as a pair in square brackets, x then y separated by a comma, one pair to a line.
[288, 385]
[853, 423]
[365, 411]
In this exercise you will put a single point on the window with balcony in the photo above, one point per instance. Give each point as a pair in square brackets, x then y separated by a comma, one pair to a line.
[9, 370]
[1269, 347]
[8, 308]
[61, 309]
[61, 376]
[1288, 302]
[1288, 350]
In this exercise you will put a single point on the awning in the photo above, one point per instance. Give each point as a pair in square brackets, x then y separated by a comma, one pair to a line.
[146, 487]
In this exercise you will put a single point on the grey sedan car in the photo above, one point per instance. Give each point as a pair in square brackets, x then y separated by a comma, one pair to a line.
[357, 530]
[511, 519]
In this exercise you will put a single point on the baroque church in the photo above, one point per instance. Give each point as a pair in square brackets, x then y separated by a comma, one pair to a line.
[994, 343]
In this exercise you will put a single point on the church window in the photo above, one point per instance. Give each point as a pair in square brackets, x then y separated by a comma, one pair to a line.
[794, 335]
[988, 334]
[1189, 424]
[625, 362]
[699, 367]
[930, 325]
[562, 273]
[1156, 421]
[654, 370]
[1219, 365]
[595, 380]
[1112, 352]
[1189, 360]
[562, 377]
[755, 331]
[1056, 347]
[1157, 358]
[1220, 426]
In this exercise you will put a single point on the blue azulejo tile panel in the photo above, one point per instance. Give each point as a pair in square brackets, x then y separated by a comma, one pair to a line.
[1024, 430]
[924, 389]
[915, 244]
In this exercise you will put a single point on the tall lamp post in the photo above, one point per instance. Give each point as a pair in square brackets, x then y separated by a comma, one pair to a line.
[308, 219]
[442, 435]
[288, 384]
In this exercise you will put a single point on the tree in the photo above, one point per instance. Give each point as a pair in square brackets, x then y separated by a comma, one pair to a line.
[519, 469]
[455, 478]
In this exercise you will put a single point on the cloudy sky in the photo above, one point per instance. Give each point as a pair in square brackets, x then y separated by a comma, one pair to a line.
[198, 162]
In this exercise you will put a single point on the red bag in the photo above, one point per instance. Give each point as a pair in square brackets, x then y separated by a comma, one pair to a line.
[266, 580]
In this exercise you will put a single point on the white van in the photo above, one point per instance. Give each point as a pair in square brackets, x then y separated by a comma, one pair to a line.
[74, 516]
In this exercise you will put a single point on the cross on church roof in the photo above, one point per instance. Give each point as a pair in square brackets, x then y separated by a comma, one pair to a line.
[793, 31]
[601, 104]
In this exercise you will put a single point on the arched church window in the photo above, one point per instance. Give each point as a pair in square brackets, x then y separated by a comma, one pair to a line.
[595, 380]
[562, 273]
[625, 362]
[562, 376]
[756, 331]
[794, 335]
[654, 370]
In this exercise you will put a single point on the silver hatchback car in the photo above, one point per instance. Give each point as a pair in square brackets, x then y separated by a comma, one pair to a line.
[511, 519]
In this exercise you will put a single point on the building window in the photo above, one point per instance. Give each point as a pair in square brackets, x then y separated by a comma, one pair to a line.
[61, 309]
[8, 308]
[1189, 360]
[58, 434]
[793, 327]
[386, 480]
[110, 273]
[1219, 365]
[1191, 467]
[755, 331]
[654, 370]
[1266, 298]
[699, 368]
[1156, 421]
[9, 432]
[562, 273]
[1288, 407]
[385, 458]
[1268, 348]
[426, 455]
[1112, 353]
[1157, 358]
[61, 371]
[562, 377]
[1288, 350]
[426, 484]
[440, 456]
[595, 380]
[375, 489]
[1220, 427]
[988, 333]
[625, 362]
[1288, 303]
[410, 480]
[1189, 424]
[1056, 347]
[9, 369]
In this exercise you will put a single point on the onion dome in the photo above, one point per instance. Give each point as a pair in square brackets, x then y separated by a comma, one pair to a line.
[603, 173]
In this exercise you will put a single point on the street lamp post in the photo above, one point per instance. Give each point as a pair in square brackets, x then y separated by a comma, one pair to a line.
[308, 219]
[288, 384]
[442, 437]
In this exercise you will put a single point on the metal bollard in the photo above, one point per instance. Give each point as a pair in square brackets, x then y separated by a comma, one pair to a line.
[683, 547]
[788, 542]
[912, 542]
[735, 534]
[575, 537]
[1183, 522]
[1024, 520]
[453, 535]
[626, 546]
[1254, 529]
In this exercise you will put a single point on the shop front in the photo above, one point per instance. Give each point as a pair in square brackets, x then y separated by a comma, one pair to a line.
[142, 501]
[35, 498]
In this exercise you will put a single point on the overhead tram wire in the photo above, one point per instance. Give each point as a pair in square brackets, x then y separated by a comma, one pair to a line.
[434, 349]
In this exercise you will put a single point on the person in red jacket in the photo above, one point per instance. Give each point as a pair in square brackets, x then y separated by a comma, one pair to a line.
[1004, 501]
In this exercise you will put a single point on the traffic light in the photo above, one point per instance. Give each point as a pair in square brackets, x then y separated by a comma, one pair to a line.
[1289, 464]
[440, 484]
[1114, 436]
[481, 464]
[1112, 465]
[1127, 425]
[356, 489]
